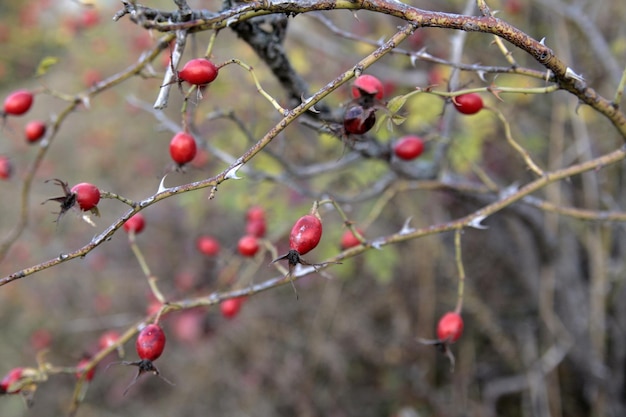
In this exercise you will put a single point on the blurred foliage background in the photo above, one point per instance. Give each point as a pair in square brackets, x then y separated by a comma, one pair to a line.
[544, 312]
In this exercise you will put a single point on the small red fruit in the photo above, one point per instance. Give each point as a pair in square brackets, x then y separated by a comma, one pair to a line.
[349, 240]
[136, 223]
[230, 308]
[87, 195]
[199, 71]
[408, 147]
[150, 342]
[248, 245]
[367, 85]
[18, 102]
[6, 167]
[10, 378]
[305, 234]
[256, 228]
[35, 130]
[358, 120]
[183, 148]
[108, 339]
[208, 245]
[470, 103]
[450, 327]
[80, 369]
[255, 213]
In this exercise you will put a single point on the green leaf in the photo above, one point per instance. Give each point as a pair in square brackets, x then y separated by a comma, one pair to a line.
[45, 65]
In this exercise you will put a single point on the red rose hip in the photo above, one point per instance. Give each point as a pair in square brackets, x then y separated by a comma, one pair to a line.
[358, 120]
[207, 245]
[349, 240]
[230, 308]
[35, 130]
[135, 224]
[450, 327]
[248, 245]
[150, 342]
[367, 85]
[408, 147]
[87, 195]
[6, 167]
[183, 148]
[305, 234]
[198, 71]
[10, 378]
[470, 103]
[18, 102]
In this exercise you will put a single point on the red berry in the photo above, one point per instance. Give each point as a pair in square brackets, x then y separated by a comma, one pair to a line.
[108, 339]
[35, 130]
[80, 367]
[183, 148]
[305, 234]
[256, 228]
[18, 102]
[230, 308]
[255, 213]
[248, 245]
[87, 195]
[470, 103]
[358, 120]
[6, 167]
[208, 245]
[450, 327]
[198, 71]
[367, 85]
[349, 240]
[408, 147]
[150, 342]
[136, 223]
[10, 378]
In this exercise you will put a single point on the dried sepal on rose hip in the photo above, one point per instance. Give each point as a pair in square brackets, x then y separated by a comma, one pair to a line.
[149, 345]
[85, 196]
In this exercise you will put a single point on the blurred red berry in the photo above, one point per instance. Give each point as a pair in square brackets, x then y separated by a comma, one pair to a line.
[230, 308]
[6, 167]
[208, 245]
[349, 240]
[450, 327]
[18, 102]
[10, 378]
[80, 369]
[367, 85]
[248, 245]
[408, 147]
[108, 339]
[34, 130]
[136, 223]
